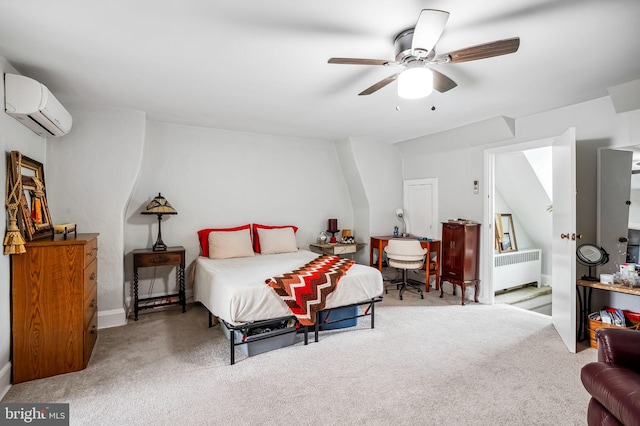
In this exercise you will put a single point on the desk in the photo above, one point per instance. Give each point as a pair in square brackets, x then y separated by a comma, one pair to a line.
[432, 246]
[148, 257]
[585, 300]
[336, 249]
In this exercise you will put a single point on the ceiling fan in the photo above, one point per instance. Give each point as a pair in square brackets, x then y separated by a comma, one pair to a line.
[415, 52]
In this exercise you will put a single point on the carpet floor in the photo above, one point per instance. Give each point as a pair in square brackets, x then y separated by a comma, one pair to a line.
[427, 361]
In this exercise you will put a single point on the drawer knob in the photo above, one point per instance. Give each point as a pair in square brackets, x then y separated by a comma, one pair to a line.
[93, 303]
[92, 277]
[93, 330]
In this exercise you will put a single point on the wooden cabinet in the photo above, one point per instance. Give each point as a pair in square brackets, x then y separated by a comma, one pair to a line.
[460, 256]
[54, 287]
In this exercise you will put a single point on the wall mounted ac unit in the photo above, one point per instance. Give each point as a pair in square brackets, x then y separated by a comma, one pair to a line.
[34, 105]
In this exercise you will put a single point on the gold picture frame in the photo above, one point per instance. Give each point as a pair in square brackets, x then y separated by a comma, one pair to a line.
[505, 233]
[34, 212]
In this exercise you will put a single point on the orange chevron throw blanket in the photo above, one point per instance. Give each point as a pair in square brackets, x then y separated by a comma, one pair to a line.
[305, 289]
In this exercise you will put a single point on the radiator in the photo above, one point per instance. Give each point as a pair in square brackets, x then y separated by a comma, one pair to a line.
[513, 269]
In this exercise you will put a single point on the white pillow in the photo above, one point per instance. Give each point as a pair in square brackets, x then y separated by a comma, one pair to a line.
[229, 244]
[277, 240]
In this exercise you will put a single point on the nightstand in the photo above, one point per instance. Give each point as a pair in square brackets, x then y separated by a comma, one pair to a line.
[146, 258]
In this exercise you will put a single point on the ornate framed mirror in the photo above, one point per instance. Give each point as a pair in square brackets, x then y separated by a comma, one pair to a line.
[35, 220]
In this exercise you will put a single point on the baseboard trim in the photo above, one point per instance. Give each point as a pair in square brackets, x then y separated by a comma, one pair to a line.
[5, 379]
[112, 318]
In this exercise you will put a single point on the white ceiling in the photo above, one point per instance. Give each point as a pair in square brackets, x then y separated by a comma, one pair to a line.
[261, 65]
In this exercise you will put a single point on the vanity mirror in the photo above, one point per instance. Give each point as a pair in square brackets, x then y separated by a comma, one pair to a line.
[591, 255]
[619, 204]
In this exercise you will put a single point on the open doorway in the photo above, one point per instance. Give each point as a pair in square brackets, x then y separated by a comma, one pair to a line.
[521, 218]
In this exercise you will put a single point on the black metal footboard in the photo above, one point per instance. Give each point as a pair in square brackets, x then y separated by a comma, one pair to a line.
[368, 312]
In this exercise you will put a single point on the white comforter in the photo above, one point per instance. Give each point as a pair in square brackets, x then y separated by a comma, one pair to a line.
[235, 290]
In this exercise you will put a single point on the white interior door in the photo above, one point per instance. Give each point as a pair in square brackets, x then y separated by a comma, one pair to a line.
[563, 264]
[421, 207]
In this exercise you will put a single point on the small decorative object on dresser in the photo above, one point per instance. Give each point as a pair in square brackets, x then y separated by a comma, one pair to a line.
[54, 306]
[159, 206]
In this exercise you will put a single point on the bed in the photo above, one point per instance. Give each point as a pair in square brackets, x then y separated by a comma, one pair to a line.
[233, 288]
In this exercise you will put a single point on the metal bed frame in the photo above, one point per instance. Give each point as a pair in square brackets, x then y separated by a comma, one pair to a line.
[244, 328]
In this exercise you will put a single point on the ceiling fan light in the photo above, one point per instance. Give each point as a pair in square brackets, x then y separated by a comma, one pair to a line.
[415, 83]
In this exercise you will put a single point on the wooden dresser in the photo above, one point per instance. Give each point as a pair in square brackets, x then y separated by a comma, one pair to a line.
[460, 256]
[54, 306]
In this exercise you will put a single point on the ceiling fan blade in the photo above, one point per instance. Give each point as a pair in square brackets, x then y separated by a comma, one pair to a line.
[441, 82]
[379, 85]
[356, 61]
[481, 51]
[427, 31]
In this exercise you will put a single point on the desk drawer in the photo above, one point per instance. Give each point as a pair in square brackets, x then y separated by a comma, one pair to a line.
[159, 259]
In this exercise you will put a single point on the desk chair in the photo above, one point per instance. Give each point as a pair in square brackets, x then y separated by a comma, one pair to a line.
[406, 253]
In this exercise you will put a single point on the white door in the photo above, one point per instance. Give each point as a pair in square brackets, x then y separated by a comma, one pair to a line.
[563, 264]
[421, 207]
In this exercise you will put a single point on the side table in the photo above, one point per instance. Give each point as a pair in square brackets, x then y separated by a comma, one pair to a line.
[147, 258]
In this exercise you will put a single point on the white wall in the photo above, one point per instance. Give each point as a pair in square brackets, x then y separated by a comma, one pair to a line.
[373, 172]
[380, 167]
[90, 176]
[13, 137]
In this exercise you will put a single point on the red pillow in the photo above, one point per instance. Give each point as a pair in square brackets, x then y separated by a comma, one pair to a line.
[203, 236]
[256, 238]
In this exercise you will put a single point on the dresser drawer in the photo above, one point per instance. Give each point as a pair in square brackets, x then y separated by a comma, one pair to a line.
[159, 259]
[90, 337]
[90, 276]
[452, 274]
[90, 251]
[90, 305]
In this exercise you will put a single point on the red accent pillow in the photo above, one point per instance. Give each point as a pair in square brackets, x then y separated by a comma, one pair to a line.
[256, 238]
[203, 236]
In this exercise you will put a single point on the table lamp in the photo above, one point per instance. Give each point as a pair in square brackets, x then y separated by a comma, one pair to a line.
[332, 226]
[400, 215]
[159, 205]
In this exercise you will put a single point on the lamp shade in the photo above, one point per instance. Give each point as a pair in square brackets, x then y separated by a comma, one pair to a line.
[415, 82]
[159, 205]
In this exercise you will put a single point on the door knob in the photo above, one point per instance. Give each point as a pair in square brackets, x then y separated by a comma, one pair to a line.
[564, 236]
[574, 237]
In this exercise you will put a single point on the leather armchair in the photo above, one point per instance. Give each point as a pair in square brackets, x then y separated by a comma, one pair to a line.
[614, 380]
